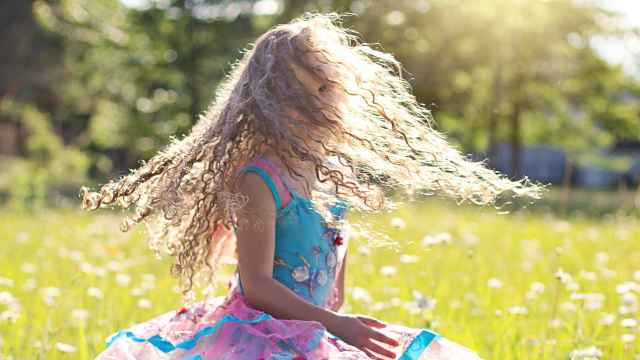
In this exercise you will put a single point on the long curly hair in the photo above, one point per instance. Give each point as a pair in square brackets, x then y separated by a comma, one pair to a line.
[378, 132]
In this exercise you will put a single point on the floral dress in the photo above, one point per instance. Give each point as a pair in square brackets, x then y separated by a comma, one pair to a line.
[308, 257]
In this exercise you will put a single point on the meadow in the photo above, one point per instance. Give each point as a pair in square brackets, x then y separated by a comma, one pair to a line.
[524, 285]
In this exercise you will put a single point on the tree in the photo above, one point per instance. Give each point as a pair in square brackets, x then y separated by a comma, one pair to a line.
[499, 70]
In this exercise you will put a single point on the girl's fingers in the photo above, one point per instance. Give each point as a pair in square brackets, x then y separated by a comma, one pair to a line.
[382, 338]
[380, 350]
[368, 353]
[372, 322]
[371, 355]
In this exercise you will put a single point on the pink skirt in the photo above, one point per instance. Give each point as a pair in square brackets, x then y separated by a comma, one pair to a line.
[230, 329]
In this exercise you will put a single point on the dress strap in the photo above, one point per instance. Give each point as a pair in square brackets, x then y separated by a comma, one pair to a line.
[283, 189]
[268, 173]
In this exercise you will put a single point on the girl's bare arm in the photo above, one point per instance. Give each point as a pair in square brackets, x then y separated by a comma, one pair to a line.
[256, 246]
[340, 286]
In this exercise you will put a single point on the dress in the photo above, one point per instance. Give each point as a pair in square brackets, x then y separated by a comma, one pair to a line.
[308, 257]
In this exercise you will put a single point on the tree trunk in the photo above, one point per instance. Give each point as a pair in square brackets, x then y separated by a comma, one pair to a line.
[492, 152]
[516, 141]
[494, 114]
[636, 201]
[623, 192]
[566, 185]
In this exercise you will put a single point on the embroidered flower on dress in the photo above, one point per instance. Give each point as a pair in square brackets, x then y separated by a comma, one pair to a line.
[182, 311]
[279, 262]
[331, 259]
[338, 240]
[300, 273]
[321, 277]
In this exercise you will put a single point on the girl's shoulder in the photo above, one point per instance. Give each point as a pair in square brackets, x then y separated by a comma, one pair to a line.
[259, 195]
[266, 174]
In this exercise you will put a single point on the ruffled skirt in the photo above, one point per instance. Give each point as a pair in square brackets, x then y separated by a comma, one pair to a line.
[228, 328]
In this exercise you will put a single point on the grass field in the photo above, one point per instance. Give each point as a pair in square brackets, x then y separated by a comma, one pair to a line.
[526, 285]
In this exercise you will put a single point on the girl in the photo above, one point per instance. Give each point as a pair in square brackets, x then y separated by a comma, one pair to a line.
[309, 122]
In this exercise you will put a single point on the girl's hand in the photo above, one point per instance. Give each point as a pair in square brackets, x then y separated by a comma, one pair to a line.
[360, 331]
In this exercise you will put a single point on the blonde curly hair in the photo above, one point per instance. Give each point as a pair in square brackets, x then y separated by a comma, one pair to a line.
[379, 133]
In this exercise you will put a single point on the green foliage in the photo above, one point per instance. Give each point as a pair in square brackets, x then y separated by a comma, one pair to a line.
[115, 83]
[108, 120]
[138, 77]
[49, 165]
[521, 72]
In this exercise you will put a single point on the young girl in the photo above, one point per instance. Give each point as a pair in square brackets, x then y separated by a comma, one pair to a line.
[308, 123]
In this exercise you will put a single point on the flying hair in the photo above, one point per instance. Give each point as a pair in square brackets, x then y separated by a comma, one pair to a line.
[364, 117]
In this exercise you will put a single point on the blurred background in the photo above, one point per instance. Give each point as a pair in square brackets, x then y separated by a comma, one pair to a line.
[544, 89]
[548, 89]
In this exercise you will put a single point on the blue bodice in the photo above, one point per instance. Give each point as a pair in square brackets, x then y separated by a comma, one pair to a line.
[306, 257]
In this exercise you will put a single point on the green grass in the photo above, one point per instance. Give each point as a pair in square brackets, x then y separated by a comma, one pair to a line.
[481, 280]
